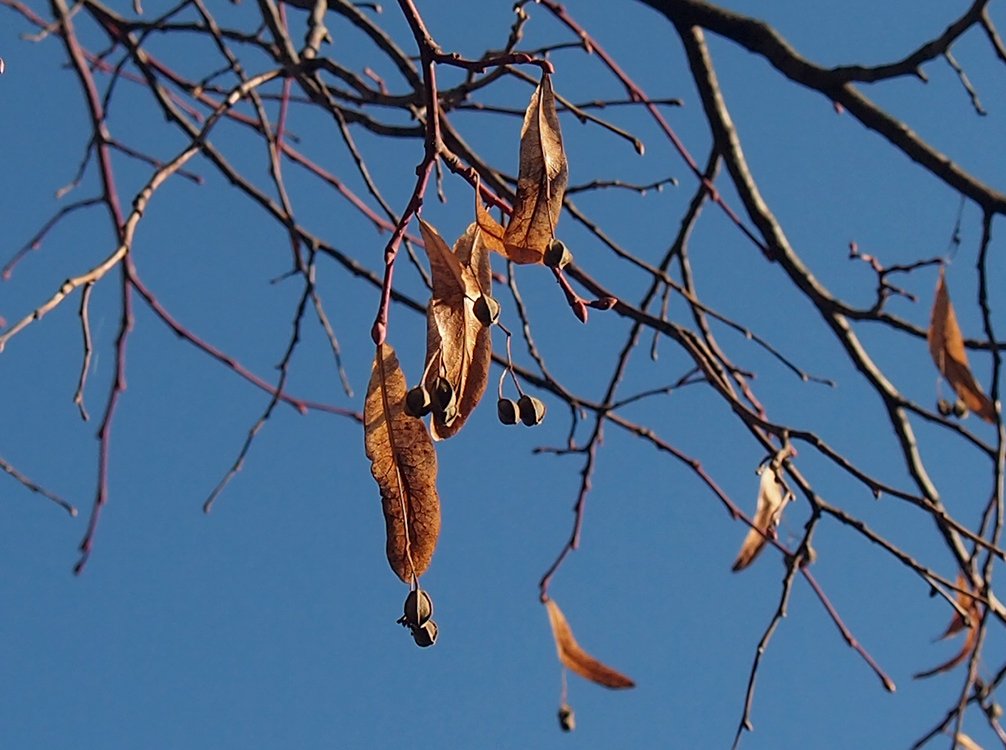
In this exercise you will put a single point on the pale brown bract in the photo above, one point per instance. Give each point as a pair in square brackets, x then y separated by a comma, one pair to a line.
[573, 657]
[967, 602]
[458, 345]
[946, 344]
[772, 497]
[541, 180]
[404, 463]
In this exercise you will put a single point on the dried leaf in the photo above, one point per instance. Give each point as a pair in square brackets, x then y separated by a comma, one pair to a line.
[541, 180]
[448, 276]
[772, 496]
[966, 602]
[404, 463]
[957, 624]
[946, 344]
[492, 230]
[458, 345]
[575, 658]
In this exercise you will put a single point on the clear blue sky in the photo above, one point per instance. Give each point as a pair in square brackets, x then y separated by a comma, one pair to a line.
[271, 622]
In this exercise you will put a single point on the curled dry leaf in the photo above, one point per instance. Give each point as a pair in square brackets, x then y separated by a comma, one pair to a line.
[458, 344]
[575, 658]
[541, 180]
[492, 230]
[946, 344]
[404, 463]
[772, 498]
[970, 605]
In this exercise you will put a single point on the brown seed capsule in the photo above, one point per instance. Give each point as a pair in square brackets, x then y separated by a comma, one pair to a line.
[443, 394]
[417, 610]
[567, 719]
[960, 409]
[426, 634]
[557, 255]
[487, 310]
[531, 409]
[418, 402]
[506, 410]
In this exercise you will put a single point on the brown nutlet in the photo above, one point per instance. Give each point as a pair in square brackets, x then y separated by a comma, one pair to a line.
[507, 411]
[443, 394]
[418, 402]
[557, 255]
[425, 635]
[487, 310]
[531, 409]
[418, 608]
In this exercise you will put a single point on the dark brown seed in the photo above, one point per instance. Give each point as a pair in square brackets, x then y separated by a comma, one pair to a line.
[426, 634]
[443, 394]
[567, 719]
[557, 255]
[531, 410]
[418, 402]
[417, 610]
[960, 409]
[487, 310]
[506, 410]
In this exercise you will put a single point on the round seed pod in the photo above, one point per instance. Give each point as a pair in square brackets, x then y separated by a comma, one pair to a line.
[417, 610]
[960, 409]
[443, 394]
[426, 634]
[418, 402]
[531, 410]
[557, 255]
[506, 410]
[487, 310]
[567, 719]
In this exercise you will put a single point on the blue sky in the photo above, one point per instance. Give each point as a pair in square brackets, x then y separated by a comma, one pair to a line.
[271, 621]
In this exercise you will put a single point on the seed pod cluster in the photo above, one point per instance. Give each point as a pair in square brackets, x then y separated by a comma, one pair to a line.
[958, 408]
[417, 614]
[527, 409]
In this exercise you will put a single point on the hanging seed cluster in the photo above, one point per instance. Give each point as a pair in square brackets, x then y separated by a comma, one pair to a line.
[417, 614]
